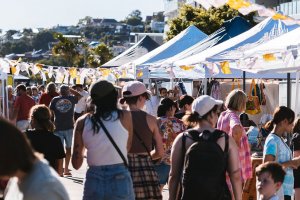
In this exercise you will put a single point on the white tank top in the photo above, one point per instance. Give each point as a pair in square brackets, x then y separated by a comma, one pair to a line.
[100, 150]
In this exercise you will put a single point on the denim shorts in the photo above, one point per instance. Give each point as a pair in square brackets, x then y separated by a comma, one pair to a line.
[162, 170]
[108, 182]
[65, 135]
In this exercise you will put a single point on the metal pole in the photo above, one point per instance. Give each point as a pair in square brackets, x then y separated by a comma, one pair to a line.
[244, 81]
[297, 93]
[288, 90]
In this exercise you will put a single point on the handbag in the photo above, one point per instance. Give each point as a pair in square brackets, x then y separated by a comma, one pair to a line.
[263, 97]
[114, 143]
[233, 84]
[252, 104]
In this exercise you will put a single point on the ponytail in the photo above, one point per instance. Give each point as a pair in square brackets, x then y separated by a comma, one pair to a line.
[269, 126]
[191, 119]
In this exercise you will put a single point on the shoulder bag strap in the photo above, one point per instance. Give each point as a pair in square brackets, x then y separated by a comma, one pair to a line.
[142, 142]
[113, 142]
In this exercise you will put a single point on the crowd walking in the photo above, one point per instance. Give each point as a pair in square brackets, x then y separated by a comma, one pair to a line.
[135, 142]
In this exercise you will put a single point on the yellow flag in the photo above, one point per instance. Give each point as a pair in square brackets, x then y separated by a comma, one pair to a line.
[269, 57]
[278, 16]
[13, 69]
[105, 72]
[124, 73]
[78, 80]
[225, 67]
[186, 68]
[139, 74]
[237, 4]
[73, 72]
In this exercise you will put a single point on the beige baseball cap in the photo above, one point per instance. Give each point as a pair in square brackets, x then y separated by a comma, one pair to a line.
[134, 88]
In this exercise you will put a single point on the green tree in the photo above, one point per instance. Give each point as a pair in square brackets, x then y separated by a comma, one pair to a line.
[27, 31]
[134, 18]
[207, 21]
[66, 48]
[42, 40]
[5, 48]
[99, 55]
[10, 33]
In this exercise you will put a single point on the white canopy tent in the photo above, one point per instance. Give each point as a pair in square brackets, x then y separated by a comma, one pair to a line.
[262, 32]
[182, 41]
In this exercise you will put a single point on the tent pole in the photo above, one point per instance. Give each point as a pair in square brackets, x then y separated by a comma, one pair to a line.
[244, 81]
[297, 93]
[288, 90]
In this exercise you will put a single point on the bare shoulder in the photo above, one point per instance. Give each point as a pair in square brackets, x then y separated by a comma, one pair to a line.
[125, 115]
[151, 118]
[82, 118]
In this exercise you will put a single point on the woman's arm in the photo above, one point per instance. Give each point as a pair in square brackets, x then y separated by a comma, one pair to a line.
[158, 150]
[234, 169]
[291, 163]
[176, 167]
[126, 120]
[237, 132]
[78, 148]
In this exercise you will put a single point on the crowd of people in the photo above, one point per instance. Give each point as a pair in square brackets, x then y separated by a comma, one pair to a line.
[136, 142]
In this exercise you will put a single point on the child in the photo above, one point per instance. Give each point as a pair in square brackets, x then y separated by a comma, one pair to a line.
[270, 177]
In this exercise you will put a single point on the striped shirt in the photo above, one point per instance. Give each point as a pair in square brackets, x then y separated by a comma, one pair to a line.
[275, 146]
[227, 120]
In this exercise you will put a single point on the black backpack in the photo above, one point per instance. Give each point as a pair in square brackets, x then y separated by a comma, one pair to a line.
[205, 164]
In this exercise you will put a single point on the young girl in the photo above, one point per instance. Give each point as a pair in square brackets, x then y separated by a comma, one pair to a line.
[275, 148]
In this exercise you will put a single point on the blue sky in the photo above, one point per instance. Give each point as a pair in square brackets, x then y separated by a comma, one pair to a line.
[18, 14]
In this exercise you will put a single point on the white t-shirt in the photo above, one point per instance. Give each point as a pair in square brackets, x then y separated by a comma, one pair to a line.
[152, 104]
[81, 105]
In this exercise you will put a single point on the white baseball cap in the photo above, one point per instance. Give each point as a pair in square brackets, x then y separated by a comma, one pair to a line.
[203, 104]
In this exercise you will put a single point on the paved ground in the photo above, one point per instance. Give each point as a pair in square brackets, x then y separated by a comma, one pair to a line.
[74, 184]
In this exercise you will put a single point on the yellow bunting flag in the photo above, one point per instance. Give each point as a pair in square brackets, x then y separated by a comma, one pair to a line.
[269, 57]
[279, 16]
[105, 72]
[77, 80]
[186, 68]
[225, 67]
[237, 4]
[40, 66]
[124, 73]
[73, 72]
[139, 74]
[13, 69]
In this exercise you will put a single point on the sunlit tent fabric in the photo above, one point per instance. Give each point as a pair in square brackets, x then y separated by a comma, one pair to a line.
[262, 32]
[234, 27]
[284, 51]
[230, 29]
[238, 73]
[145, 45]
[182, 41]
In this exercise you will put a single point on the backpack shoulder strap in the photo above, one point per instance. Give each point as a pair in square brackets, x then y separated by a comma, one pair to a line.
[194, 134]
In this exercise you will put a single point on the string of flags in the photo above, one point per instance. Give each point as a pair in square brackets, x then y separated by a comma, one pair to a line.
[67, 75]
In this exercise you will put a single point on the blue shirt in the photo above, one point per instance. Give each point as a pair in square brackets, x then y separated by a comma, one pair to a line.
[275, 146]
